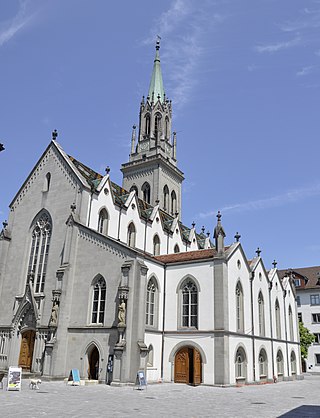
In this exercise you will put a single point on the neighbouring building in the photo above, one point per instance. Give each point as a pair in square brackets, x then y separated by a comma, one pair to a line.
[107, 278]
[307, 284]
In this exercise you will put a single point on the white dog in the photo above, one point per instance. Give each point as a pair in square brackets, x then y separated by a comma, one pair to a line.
[34, 383]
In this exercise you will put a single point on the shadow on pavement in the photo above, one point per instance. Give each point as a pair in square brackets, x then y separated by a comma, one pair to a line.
[304, 411]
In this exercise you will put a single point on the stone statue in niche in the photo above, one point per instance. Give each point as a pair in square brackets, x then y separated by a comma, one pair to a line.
[54, 314]
[122, 313]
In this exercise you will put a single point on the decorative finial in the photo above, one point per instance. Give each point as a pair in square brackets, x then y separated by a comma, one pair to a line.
[274, 264]
[237, 237]
[208, 234]
[2, 148]
[258, 251]
[157, 201]
[219, 216]
[5, 224]
[176, 214]
[134, 127]
[73, 207]
[193, 224]
[107, 170]
[54, 135]
[158, 42]
[203, 229]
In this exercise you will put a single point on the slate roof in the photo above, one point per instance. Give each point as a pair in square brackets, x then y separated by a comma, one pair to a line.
[188, 256]
[312, 274]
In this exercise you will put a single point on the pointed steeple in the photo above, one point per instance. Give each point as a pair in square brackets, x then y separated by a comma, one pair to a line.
[156, 84]
[219, 235]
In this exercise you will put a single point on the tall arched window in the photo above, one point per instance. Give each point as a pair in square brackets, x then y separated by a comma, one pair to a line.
[280, 366]
[263, 364]
[38, 258]
[147, 130]
[239, 308]
[291, 324]
[173, 202]
[176, 248]
[165, 198]
[98, 301]
[293, 363]
[189, 304]
[103, 222]
[157, 125]
[131, 235]
[156, 245]
[151, 303]
[167, 129]
[241, 364]
[261, 315]
[146, 192]
[278, 319]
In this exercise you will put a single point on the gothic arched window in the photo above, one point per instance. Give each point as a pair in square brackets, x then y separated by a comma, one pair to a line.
[131, 235]
[103, 222]
[38, 258]
[150, 356]
[261, 315]
[166, 198]
[280, 366]
[263, 364]
[293, 363]
[239, 308]
[278, 319]
[241, 364]
[167, 129]
[156, 245]
[173, 202]
[146, 192]
[151, 303]
[176, 248]
[189, 304]
[47, 181]
[148, 120]
[157, 125]
[98, 300]
[291, 324]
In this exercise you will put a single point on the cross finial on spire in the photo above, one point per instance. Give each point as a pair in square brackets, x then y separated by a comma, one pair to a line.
[193, 224]
[237, 237]
[219, 216]
[274, 264]
[158, 42]
[54, 135]
[258, 251]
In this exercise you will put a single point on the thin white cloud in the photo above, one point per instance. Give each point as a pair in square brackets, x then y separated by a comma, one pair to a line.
[10, 28]
[309, 19]
[274, 201]
[305, 71]
[277, 46]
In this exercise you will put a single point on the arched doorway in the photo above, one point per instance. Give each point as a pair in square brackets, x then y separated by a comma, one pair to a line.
[93, 357]
[188, 366]
[26, 349]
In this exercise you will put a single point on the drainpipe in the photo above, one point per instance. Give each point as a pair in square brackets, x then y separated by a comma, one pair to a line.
[252, 328]
[271, 329]
[145, 236]
[285, 327]
[119, 222]
[163, 317]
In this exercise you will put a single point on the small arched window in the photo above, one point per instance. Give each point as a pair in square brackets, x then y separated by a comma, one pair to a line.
[189, 304]
[291, 324]
[38, 259]
[239, 308]
[165, 198]
[47, 181]
[131, 235]
[173, 202]
[176, 248]
[103, 222]
[156, 245]
[147, 130]
[263, 364]
[293, 363]
[146, 192]
[98, 301]
[157, 125]
[150, 356]
[280, 366]
[241, 364]
[151, 303]
[278, 320]
[261, 315]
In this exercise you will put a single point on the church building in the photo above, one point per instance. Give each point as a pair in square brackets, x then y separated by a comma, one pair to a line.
[108, 280]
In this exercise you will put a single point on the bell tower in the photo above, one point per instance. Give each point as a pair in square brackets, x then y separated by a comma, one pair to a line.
[152, 168]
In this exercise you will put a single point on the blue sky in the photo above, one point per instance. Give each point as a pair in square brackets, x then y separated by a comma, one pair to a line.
[244, 78]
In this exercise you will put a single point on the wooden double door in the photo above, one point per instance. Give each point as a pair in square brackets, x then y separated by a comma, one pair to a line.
[188, 366]
[26, 349]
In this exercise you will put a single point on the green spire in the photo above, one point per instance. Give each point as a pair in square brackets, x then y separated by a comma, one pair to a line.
[156, 83]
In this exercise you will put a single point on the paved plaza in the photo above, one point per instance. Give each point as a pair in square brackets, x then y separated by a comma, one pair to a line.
[56, 399]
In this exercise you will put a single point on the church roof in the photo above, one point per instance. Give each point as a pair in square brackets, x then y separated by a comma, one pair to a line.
[156, 84]
[311, 275]
[188, 256]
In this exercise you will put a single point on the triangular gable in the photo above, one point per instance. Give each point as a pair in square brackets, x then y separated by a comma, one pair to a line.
[26, 303]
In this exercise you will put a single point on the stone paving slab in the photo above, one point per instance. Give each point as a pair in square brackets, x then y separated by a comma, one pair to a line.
[56, 399]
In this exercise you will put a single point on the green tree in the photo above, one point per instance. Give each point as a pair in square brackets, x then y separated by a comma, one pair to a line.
[306, 339]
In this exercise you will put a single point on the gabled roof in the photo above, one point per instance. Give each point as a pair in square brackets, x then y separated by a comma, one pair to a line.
[91, 176]
[188, 256]
[311, 274]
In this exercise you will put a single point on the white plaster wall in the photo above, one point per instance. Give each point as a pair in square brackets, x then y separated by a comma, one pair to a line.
[261, 283]
[154, 372]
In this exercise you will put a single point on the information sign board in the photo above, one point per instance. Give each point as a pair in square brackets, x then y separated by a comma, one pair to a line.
[14, 378]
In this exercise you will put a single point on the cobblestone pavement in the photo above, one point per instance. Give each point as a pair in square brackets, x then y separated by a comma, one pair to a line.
[56, 399]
